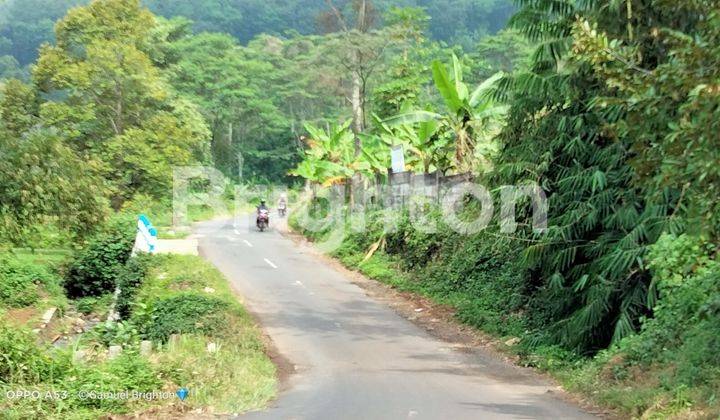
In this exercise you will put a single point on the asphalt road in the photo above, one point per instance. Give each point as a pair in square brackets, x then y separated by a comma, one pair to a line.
[355, 357]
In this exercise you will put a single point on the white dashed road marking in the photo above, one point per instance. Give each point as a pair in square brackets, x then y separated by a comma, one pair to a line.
[270, 263]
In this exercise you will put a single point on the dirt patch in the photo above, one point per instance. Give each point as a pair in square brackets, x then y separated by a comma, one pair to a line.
[171, 411]
[21, 317]
[285, 368]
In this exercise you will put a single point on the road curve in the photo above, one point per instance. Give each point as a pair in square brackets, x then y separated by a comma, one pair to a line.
[356, 358]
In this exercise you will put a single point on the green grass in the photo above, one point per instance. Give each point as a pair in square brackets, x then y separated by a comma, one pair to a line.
[38, 282]
[238, 376]
[95, 305]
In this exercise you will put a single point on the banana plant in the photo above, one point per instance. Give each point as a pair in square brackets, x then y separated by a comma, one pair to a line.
[427, 146]
[374, 155]
[331, 158]
[320, 171]
[467, 116]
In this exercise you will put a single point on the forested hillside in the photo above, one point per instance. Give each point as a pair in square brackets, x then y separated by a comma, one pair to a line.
[289, 45]
[453, 21]
[26, 24]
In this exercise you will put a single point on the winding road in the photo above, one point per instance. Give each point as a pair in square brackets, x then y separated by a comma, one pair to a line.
[355, 358]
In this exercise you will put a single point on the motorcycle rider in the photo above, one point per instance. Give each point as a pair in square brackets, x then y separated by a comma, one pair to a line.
[261, 207]
[282, 204]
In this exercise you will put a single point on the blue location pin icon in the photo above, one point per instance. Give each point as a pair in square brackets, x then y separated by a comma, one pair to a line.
[182, 393]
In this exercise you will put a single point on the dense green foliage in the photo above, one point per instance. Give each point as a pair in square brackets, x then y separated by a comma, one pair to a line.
[185, 314]
[591, 265]
[477, 275]
[23, 361]
[98, 125]
[98, 268]
[33, 366]
[236, 377]
[458, 22]
[229, 82]
[615, 117]
[118, 109]
[42, 179]
[129, 280]
[687, 312]
[26, 24]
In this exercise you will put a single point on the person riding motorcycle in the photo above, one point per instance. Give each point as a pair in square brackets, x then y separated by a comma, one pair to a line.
[282, 205]
[262, 208]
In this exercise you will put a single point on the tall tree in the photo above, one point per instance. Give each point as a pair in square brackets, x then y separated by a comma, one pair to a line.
[41, 179]
[407, 73]
[107, 93]
[364, 48]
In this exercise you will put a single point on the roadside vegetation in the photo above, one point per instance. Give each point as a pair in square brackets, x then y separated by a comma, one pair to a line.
[668, 369]
[198, 336]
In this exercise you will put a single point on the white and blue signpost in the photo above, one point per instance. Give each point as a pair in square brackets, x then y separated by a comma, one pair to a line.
[146, 239]
[146, 242]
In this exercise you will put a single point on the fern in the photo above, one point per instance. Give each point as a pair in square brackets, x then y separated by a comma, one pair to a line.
[601, 222]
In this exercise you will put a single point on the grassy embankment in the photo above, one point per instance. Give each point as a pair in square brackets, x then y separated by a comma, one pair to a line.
[202, 338]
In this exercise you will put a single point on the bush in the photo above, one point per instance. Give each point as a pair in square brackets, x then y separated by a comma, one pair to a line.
[19, 281]
[186, 313]
[480, 274]
[683, 331]
[129, 279]
[97, 268]
[685, 276]
[87, 304]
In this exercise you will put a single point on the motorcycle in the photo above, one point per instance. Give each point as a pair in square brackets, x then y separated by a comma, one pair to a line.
[263, 220]
[282, 209]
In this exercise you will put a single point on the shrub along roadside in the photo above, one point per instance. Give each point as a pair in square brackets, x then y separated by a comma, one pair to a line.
[238, 376]
[97, 268]
[187, 313]
[129, 279]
